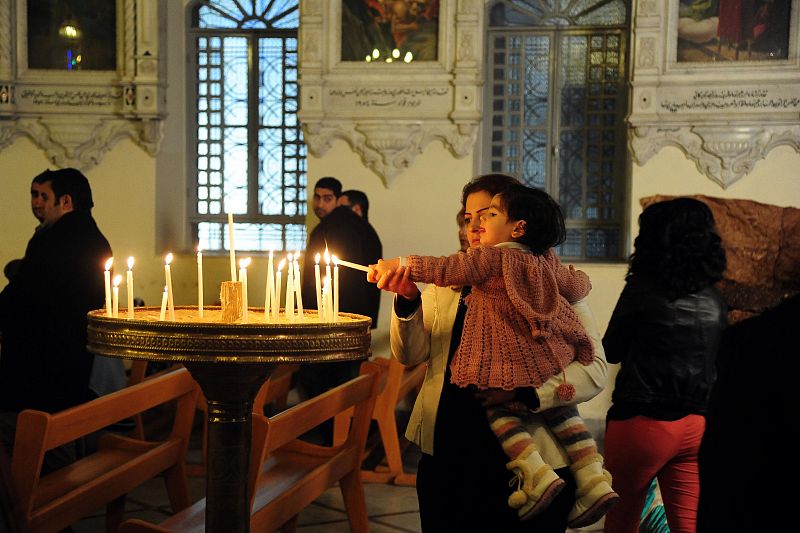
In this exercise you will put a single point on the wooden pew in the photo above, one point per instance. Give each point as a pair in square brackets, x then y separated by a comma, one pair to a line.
[275, 391]
[52, 502]
[287, 474]
[398, 383]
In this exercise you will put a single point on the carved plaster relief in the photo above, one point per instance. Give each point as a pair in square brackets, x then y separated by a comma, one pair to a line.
[724, 116]
[393, 111]
[76, 117]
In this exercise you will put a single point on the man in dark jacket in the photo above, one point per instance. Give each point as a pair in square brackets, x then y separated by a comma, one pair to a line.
[351, 238]
[44, 363]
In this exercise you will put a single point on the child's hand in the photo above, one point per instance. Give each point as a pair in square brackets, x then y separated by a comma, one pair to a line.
[383, 266]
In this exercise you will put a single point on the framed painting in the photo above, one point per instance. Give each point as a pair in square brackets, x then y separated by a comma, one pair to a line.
[733, 30]
[390, 30]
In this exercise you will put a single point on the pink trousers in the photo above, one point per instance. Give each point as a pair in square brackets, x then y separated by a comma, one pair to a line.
[640, 449]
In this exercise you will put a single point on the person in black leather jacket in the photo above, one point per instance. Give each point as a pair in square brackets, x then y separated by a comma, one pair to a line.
[664, 332]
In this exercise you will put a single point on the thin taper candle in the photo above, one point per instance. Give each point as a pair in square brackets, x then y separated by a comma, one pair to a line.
[115, 296]
[129, 287]
[170, 297]
[276, 309]
[243, 264]
[164, 299]
[231, 246]
[107, 281]
[298, 286]
[269, 291]
[328, 296]
[317, 285]
[199, 281]
[289, 308]
[355, 266]
[335, 289]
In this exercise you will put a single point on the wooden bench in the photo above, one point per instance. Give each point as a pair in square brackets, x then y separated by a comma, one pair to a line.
[274, 391]
[399, 382]
[52, 502]
[287, 474]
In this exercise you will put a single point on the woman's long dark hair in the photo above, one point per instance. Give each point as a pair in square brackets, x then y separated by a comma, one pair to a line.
[678, 247]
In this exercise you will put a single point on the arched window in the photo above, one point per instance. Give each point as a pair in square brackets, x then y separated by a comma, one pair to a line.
[246, 155]
[555, 105]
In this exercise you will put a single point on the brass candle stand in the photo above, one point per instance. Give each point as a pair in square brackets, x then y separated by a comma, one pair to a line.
[230, 361]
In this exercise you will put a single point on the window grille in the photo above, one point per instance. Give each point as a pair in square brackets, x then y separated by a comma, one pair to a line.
[556, 100]
[247, 155]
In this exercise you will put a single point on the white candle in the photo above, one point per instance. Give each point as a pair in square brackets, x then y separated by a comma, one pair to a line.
[107, 280]
[328, 296]
[269, 291]
[164, 299]
[243, 264]
[199, 281]
[276, 309]
[289, 309]
[298, 289]
[115, 296]
[129, 287]
[318, 285]
[355, 266]
[170, 296]
[326, 289]
[231, 247]
[335, 289]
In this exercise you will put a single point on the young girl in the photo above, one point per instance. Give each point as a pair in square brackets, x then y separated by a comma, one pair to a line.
[519, 331]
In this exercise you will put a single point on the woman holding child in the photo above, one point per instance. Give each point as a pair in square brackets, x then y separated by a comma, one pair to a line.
[464, 473]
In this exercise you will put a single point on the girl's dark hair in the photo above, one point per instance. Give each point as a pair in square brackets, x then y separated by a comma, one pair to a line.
[678, 247]
[544, 219]
[490, 183]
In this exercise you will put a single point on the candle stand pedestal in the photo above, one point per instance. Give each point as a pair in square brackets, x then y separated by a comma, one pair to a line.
[230, 361]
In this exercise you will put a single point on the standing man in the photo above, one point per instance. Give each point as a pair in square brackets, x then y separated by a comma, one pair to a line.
[36, 208]
[44, 363]
[352, 238]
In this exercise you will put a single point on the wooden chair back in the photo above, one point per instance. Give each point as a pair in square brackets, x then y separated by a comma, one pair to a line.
[56, 500]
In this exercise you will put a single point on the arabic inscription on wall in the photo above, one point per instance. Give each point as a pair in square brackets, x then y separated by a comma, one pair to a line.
[70, 98]
[732, 100]
[388, 100]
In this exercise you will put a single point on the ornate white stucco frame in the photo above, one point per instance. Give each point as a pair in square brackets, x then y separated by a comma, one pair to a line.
[75, 117]
[388, 113]
[724, 116]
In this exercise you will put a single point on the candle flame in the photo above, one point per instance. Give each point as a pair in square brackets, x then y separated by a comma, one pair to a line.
[316, 259]
[280, 265]
[327, 256]
[199, 249]
[297, 256]
[165, 289]
[130, 263]
[117, 280]
[290, 257]
[168, 259]
[244, 263]
[335, 260]
[109, 263]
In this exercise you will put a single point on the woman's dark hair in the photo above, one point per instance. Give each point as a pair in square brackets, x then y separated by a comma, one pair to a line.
[678, 247]
[543, 217]
[490, 183]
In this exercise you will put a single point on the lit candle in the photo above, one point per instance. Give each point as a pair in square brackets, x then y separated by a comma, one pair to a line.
[269, 291]
[199, 281]
[231, 247]
[276, 309]
[107, 279]
[335, 289]
[164, 299]
[328, 296]
[129, 287]
[289, 308]
[115, 296]
[170, 297]
[298, 286]
[318, 286]
[326, 289]
[243, 264]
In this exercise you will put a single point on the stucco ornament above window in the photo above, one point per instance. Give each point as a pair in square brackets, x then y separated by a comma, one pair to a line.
[356, 88]
[79, 78]
[719, 85]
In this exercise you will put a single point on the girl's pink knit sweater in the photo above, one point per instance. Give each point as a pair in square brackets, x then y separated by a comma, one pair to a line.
[519, 329]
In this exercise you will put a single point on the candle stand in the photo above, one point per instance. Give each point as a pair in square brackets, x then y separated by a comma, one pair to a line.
[230, 361]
